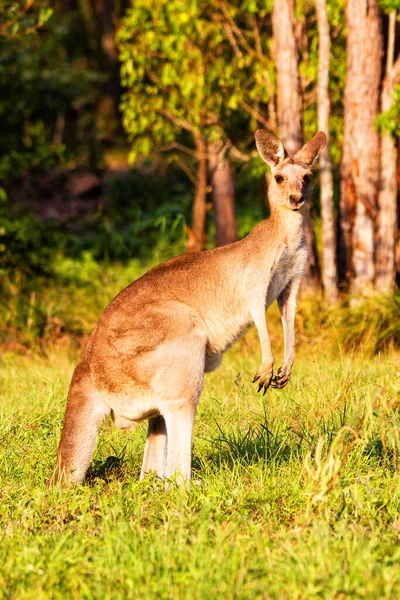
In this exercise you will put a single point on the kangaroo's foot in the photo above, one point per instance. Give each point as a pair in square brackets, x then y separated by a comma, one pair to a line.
[282, 377]
[264, 376]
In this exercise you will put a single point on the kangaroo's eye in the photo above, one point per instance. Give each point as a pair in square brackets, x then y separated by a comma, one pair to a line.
[306, 179]
[278, 178]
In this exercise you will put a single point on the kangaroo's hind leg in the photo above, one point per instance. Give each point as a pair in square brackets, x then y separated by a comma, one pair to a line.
[82, 421]
[174, 371]
[155, 453]
[180, 423]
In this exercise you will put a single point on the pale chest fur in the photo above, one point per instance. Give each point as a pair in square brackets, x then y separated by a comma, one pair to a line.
[289, 266]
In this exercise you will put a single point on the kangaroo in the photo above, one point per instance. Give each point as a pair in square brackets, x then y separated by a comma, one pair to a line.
[147, 355]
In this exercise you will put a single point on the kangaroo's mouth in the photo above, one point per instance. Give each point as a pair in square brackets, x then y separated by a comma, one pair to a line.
[298, 206]
[296, 202]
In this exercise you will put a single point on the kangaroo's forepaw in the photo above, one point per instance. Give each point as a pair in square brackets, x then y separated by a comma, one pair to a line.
[282, 377]
[264, 377]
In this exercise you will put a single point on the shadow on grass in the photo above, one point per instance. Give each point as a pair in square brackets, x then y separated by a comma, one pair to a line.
[256, 444]
[107, 469]
[272, 443]
[269, 443]
[385, 455]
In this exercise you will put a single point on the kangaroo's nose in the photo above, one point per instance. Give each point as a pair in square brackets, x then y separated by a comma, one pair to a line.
[295, 201]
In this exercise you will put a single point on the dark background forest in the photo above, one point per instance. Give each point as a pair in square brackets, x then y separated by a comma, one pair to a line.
[127, 134]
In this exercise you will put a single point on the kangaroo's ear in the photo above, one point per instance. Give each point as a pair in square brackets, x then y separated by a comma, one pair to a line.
[310, 151]
[270, 148]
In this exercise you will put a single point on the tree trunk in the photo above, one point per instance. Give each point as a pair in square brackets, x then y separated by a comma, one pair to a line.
[221, 179]
[329, 272]
[387, 199]
[199, 212]
[289, 105]
[360, 157]
[104, 10]
[289, 111]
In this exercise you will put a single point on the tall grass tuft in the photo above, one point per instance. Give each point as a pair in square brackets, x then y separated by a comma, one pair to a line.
[370, 324]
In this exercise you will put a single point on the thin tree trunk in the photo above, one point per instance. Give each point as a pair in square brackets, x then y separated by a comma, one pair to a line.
[199, 212]
[345, 222]
[387, 199]
[329, 271]
[221, 178]
[289, 105]
[289, 111]
[312, 276]
[104, 10]
[360, 158]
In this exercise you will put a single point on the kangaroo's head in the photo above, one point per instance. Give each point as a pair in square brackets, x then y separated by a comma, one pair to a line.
[290, 185]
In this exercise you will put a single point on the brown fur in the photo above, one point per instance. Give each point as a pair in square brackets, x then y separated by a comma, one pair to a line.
[147, 356]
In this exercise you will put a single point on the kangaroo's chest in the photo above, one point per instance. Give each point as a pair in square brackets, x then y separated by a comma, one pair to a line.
[290, 265]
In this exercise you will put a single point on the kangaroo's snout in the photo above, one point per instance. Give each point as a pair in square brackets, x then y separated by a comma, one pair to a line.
[296, 201]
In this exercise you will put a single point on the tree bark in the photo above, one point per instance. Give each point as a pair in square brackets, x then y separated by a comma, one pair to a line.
[289, 105]
[329, 271]
[289, 109]
[221, 179]
[387, 200]
[104, 10]
[360, 157]
[199, 212]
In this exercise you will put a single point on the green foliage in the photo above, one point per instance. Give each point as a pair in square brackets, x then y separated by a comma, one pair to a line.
[24, 140]
[43, 78]
[389, 5]
[26, 245]
[390, 120]
[141, 216]
[21, 18]
[37, 310]
[144, 216]
[182, 71]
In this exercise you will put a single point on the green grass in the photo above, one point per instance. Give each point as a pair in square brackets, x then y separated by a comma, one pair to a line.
[296, 495]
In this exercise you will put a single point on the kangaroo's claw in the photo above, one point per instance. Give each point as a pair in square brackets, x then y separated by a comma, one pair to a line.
[264, 375]
[281, 379]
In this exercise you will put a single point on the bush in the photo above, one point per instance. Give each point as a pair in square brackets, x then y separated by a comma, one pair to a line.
[26, 245]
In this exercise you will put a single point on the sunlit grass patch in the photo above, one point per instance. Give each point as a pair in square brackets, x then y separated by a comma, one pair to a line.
[295, 494]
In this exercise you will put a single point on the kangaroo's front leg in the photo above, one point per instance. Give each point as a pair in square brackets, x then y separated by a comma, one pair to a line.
[287, 308]
[265, 370]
